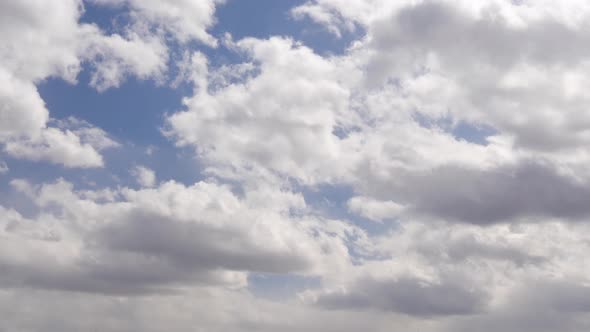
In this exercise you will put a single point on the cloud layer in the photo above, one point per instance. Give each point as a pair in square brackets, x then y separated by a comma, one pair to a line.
[431, 177]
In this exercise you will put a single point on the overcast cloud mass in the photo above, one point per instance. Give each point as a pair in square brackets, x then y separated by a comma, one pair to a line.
[313, 165]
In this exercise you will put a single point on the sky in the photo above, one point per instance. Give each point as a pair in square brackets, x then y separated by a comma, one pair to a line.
[294, 165]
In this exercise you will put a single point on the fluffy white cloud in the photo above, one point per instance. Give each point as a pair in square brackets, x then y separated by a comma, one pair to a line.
[73, 143]
[114, 58]
[244, 123]
[23, 110]
[55, 146]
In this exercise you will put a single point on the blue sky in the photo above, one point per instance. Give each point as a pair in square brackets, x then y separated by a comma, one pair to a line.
[309, 165]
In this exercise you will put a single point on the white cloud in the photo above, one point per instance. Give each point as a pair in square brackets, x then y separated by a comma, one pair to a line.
[374, 209]
[23, 110]
[114, 58]
[55, 146]
[144, 176]
[244, 124]
[73, 143]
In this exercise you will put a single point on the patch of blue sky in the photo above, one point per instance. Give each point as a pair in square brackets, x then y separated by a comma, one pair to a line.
[107, 17]
[265, 18]
[133, 115]
[280, 286]
[134, 111]
[477, 134]
[461, 130]
[330, 201]
[12, 199]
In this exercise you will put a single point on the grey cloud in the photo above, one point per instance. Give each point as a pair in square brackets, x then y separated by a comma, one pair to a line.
[193, 245]
[510, 321]
[469, 248]
[457, 193]
[565, 296]
[150, 256]
[200, 235]
[107, 273]
[457, 36]
[408, 296]
[541, 305]
[206, 310]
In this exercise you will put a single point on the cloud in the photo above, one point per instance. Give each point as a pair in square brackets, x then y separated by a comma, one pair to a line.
[73, 143]
[563, 302]
[474, 220]
[243, 124]
[482, 62]
[233, 311]
[408, 296]
[56, 146]
[24, 111]
[497, 71]
[160, 239]
[144, 176]
[114, 58]
[373, 209]
[528, 190]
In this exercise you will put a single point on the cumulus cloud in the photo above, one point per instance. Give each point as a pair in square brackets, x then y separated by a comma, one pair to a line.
[155, 240]
[266, 113]
[72, 143]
